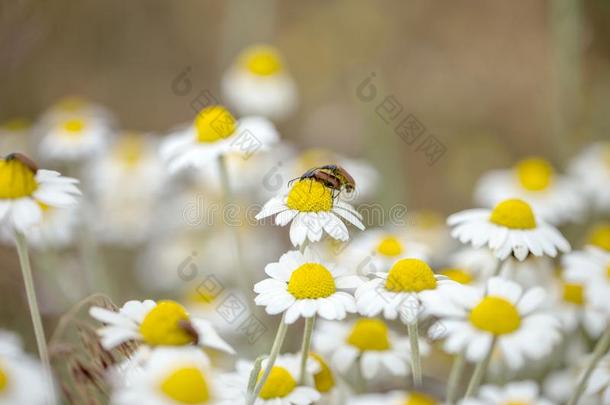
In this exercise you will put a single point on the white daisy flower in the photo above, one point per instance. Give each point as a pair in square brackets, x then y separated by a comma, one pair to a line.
[559, 385]
[401, 291]
[170, 376]
[377, 250]
[531, 272]
[554, 198]
[591, 168]
[599, 381]
[511, 227]
[480, 262]
[474, 321]
[73, 138]
[394, 398]
[163, 323]
[569, 304]
[75, 106]
[590, 267]
[22, 379]
[281, 387]
[216, 132]
[258, 83]
[303, 285]
[56, 230]
[15, 134]
[324, 380]
[25, 190]
[313, 210]
[460, 275]
[520, 392]
[367, 342]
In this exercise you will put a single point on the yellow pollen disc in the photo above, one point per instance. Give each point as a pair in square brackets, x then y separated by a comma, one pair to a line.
[279, 384]
[573, 293]
[311, 281]
[3, 380]
[600, 236]
[129, 149]
[513, 214]
[418, 398]
[495, 315]
[73, 126]
[16, 124]
[161, 326]
[186, 386]
[410, 275]
[534, 174]
[323, 379]
[214, 123]
[390, 246]
[457, 275]
[17, 180]
[309, 196]
[369, 334]
[261, 60]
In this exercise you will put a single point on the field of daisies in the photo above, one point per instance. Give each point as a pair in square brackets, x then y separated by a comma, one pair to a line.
[220, 264]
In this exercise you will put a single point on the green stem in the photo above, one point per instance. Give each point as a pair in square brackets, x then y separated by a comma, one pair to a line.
[600, 349]
[307, 332]
[275, 351]
[28, 280]
[415, 357]
[455, 376]
[479, 372]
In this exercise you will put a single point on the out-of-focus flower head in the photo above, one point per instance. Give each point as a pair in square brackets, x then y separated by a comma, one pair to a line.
[591, 168]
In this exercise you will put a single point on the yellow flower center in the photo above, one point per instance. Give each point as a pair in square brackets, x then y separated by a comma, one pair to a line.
[214, 123]
[16, 124]
[390, 246]
[418, 398]
[600, 236]
[410, 275]
[309, 196]
[573, 293]
[73, 127]
[129, 149]
[457, 275]
[261, 60]
[323, 379]
[166, 324]
[311, 281]
[513, 214]
[534, 174]
[495, 315]
[369, 334]
[279, 384]
[3, 380]
[17, 180]
[187, 386]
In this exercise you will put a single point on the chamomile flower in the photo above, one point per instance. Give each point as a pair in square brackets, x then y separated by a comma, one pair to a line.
[73, 138]
[599, 381]
[170, 376]
[394, 398]
[511, 227]
[401, 291]
[25, 191]
[311, 208]
[599, 236]
[473, 320]
[323, 377]
[75, 106]
[376, 250]
[533, 271]
[216, 132]
[570, 306]
[520, 392]
[559, 385]
[591, 168]
[367, 342]
[163, 323]
[281, 387]
[554, 198]
[481, 263]
[591, 267]
[258, 83]
[56, 230]
[21, 377]
[302, 285]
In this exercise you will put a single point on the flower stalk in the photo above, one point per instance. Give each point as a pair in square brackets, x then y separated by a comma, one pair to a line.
[307, 332]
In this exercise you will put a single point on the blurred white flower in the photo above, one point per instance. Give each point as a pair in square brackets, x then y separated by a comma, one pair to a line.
[592, 268]
[259, 83]
[394, 398]
[591, 168]
[474, 319]
[511, 227]
[520, 392]
[554, 198]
